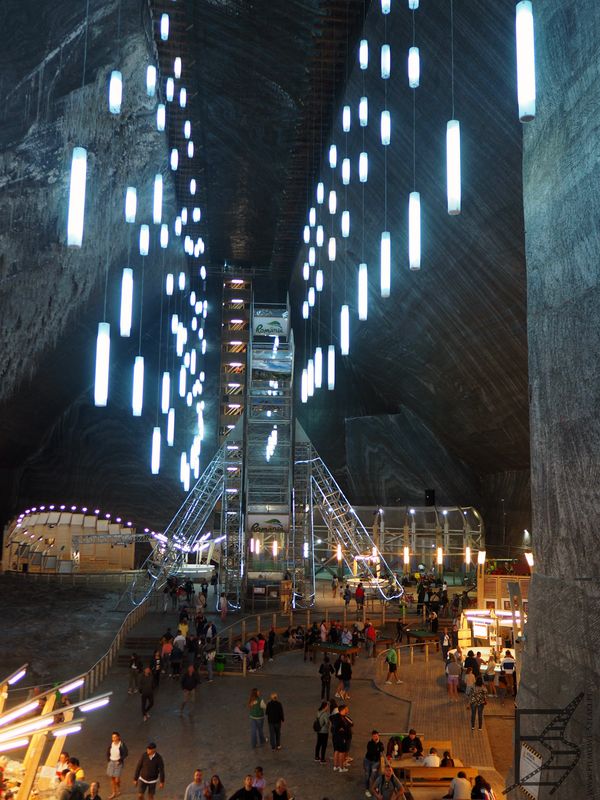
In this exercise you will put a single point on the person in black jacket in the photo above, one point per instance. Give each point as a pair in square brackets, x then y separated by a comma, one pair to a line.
[325, 671]
[189, 682]
[274, 714]
[147, 692]
[149, 772]
[412, 744]
[471, 661]
[372, 757]
[116, 753]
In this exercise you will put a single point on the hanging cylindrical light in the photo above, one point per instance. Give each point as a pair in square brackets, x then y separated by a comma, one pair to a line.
[115, 92]
[193, 186]
[174, 159]
[183, 97]
[338, 552]
[193, 362]
[187, 129]
[161, 117]
[332, 156]
[319, 236]
[414, 230]
[346, 119]
[166, 393]
[158, 195]
[312, 217]
[306, 234]
[406, 555]
[386, 6]
[440, 556]
[306, 271]
[150, 80]
[363, 54]
[414, 67]
[453, 166]
[304, 386]
[385, 263]
[363, 167]
[102, 364]
[130, 204]
[345, 224]
[77, 197]
[171, 427]
[331, 367]
[525, 61]
[344, 330]
[386, 61]
[181, 281]
[312, 256]
[320, 192]
[363, 112]
[331, 248]
[144, 240]
[363, 291]
[386, 127]
[177, 68]
[305, 311]
[164, 27]
[310, 374]
[126, 301]
[413, 5]
[346, 171]
[174, 324]
[196, 214]
[318, 367]
[311, 297]
[169, 284]
[177, 226]
[332, 201]
[164, 235]
[155, 458]
[184, 216]
[182, 380]
[319, 280]
[467, 555]
[137, 395]
[170, 90]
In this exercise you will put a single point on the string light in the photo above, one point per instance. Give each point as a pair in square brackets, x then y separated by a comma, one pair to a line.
[310, 373]
[320, 193]
[331, 249]
[346, 171]
[304, 386]
[164, 235]
[318, 367]
[170, 89]
[177, 67]
[164, 27]
[333, 156]
[319, 280]
[171, 427]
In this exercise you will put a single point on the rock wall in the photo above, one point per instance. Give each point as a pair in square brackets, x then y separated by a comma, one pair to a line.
[561, 173]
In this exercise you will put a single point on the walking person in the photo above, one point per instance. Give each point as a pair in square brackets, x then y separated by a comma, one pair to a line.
[453, 670]
[189, 682]
[256, 706]
[156, 667]
[321, 728]
[116, 753]
[275, 718]
[392, 664]
[325, 671]
[334, 586]
[341, 736]
[149, 772]
[135, 670]
[372, 759]
[223, 606]
[477, 701]
[346, 676]
[147, 692]
[347, 596]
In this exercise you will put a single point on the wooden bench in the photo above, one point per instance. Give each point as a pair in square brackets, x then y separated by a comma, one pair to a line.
[434, 776]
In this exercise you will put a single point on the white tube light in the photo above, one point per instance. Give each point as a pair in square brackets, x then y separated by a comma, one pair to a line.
[170, 90]
[18, 712]
[305, 549]
[310, 374]
[338, 552]
[331, 249]
[413, 5]
[77, 197]
[344, 330]
[319, 280]
[174, 159]
[164, 27]
[15, 744]
[161, 117]
[184, 216]
[332, 201]
[177, 226]
[166, 392]
[386, 6]
[181, 281]
[481, 557]
[525, 61]
[332, 156]
[529, 559]
[137, 396]
[318, 367]
[385, 263]
[363, 291]
[169, 284]
[203, 272]
[345, 224]
[17, 676]
[164, 235]
[363, 54]
[183, 97]
[363, 112]
[171, 427]
[305, 311]
[386, 128]
[77, 683]
[193, 362]
[312, 256]
[158, 195]
[130, 204]
[174, 324]
[346, 171]
[311, 297]
[193, 186]
[177, 68]
[150, 80]
[331, 367]
[320, 193]
[306, 234]
[304, 386]
[346, 119]
[363, 167]
[144, 240]
[306, 271]
[190, 149]
[467, 555]
[187, 129]
[182, 380]
[155, 457]
[414, 67]
[453, 166]
[319, 236]
[386, 61]
[196, 214]
[414, 230]
[102, 364]
[312, 217]
[115, 92]
[126, 301]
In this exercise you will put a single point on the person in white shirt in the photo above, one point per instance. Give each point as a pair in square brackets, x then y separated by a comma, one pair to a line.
[432, 760]
[460, 788]
[508, 667]
[179, 641]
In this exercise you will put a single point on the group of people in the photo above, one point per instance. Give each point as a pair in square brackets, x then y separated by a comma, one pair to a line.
[347, 594]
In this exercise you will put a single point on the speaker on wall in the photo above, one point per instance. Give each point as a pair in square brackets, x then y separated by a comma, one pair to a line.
[429, 497]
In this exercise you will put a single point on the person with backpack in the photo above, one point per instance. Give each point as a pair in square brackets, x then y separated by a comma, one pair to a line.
[387, 786]
[321, 728]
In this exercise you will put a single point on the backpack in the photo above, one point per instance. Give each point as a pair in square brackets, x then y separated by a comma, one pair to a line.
[316, 725]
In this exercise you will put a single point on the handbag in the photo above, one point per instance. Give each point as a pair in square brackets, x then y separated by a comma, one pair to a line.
[317, 726]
